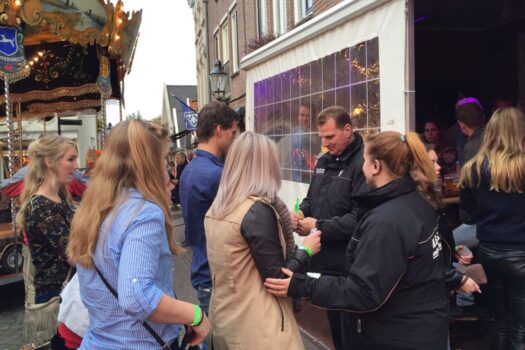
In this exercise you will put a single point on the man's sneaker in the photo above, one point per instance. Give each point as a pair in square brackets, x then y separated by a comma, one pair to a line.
[465, 313]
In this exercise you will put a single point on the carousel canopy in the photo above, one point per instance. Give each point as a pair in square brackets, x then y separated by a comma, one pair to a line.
[76, 52]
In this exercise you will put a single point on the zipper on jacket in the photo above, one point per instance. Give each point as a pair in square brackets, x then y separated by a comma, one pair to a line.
[359, 325]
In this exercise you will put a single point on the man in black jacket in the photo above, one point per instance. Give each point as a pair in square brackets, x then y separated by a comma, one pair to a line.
[329, 203]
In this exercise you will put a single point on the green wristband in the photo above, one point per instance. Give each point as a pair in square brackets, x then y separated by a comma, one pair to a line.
[307, 250]
[198, 316]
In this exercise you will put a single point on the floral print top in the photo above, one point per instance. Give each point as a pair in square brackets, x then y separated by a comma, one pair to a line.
[47, 225]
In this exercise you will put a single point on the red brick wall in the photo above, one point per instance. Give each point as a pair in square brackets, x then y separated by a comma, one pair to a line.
[320, 6]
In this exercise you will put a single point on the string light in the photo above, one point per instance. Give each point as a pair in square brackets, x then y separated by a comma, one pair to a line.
[18, 3]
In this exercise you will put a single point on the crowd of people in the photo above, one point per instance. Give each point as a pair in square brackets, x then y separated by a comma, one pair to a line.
[377, 251]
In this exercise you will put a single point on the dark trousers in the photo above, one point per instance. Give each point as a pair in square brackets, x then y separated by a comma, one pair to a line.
[334, 319]
[505, 269]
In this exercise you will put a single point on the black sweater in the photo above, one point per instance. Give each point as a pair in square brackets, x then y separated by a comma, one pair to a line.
[499, 216]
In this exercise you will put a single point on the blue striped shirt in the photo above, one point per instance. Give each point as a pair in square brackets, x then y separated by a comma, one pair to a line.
[133, 255]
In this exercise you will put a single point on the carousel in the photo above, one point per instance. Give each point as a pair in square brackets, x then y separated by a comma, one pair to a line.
[58, 58]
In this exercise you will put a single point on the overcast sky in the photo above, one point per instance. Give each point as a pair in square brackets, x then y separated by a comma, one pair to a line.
[165, 54]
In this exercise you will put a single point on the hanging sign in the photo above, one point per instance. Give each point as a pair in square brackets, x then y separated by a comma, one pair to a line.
[12, 55]
[104, 78]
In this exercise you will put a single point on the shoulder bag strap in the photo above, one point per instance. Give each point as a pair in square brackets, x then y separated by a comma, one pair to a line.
[150, 330]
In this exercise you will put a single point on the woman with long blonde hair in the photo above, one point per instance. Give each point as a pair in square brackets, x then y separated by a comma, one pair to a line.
[122, 240]
[45, 216]
[492, 196]
[394, 291]
[249, 238]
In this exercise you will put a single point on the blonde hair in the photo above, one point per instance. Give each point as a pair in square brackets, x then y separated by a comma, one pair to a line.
[252, 168]
[503, 151]
[401, 153]
[130, 159]
[52, 147]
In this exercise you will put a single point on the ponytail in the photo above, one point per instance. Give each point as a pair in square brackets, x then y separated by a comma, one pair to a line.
[420, 157]
[401, 153]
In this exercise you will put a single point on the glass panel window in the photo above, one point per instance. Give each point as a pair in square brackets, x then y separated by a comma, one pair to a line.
[303, 8]
[279, 17]
[217, 40]
[225, 38]
[261, 18]
[235, 44]
[286, 104]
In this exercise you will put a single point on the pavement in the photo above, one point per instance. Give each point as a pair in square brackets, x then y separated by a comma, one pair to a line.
[12, 299]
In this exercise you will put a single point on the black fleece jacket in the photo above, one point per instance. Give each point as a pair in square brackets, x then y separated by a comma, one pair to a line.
[331, 201]
[394, 289]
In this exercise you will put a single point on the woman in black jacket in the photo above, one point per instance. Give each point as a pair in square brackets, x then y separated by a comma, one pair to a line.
[492, 197]
[394, 291]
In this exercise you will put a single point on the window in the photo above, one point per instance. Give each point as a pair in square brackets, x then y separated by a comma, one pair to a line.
[279, 17]
[303, 8]
[261, 18]
[217, 40]
[235, 47]
[225, 41]
[285, 105]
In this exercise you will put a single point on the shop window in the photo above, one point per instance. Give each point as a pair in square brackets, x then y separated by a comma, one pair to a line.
[286, 104]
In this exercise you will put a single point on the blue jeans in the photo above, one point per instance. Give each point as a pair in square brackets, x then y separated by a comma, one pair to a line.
[465, 235]
[204, 295]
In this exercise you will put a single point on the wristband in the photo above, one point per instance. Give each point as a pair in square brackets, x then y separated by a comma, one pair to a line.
[198, 316]
[308, 251]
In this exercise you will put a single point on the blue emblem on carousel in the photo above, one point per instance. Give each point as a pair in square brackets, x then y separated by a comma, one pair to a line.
[8, 42]
[12, 55]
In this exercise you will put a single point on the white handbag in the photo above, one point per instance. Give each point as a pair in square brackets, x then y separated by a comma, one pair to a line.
[72, 311]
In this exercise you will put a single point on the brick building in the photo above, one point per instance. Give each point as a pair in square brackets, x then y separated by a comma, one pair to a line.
[284, 56]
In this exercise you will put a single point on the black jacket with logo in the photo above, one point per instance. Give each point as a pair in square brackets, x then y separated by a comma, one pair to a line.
[330, 200]
[394, 289]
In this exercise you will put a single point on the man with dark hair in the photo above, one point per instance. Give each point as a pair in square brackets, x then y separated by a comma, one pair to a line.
[471, 119]
[329, 204]
[216, 130]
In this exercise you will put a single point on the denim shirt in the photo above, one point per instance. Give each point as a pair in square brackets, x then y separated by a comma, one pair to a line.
[133, 254]
[198, 187]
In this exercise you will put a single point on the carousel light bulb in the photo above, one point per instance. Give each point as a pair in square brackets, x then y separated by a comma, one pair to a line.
[31, 63]
[35, 59]
[117, 37]
[40, 53]
[18, 2]
[119, 21]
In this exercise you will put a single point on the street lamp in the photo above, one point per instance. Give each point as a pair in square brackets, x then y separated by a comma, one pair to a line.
[218, 79]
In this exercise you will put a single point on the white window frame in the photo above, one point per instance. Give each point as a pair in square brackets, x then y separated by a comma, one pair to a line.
[300, 9]
[217, 40]
[225, 40]
[234, 40]
[262, 21]
[279, 17]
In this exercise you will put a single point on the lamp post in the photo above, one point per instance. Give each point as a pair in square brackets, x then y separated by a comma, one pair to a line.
[218, 79]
